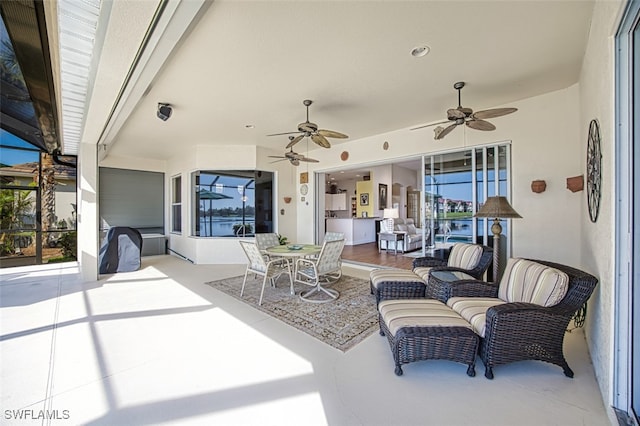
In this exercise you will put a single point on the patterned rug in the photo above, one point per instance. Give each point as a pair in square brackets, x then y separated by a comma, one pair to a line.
[341, 323]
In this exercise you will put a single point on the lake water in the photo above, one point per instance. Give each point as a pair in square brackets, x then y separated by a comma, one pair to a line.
[222, 226]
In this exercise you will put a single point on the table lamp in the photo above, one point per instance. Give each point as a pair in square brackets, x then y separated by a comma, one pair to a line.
[496, 208]
[389, 215]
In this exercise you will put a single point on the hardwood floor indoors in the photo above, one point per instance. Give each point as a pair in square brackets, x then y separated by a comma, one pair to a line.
[368, 253]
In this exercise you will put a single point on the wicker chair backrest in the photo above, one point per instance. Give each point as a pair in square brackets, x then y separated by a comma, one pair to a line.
[465, 256]
[581, 285]
[532, 282]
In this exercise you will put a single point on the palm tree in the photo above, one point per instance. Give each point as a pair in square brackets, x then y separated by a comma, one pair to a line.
[48, 188]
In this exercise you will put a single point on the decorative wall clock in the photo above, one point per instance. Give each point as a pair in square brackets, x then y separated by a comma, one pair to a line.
[594, 170]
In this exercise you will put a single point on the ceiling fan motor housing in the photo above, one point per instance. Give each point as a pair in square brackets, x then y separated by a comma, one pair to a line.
[307, 127]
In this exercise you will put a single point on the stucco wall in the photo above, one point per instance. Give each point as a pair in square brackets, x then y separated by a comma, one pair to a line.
[597, 101]
[546, 145]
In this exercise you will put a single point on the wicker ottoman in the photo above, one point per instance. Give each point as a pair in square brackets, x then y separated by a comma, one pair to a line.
[421, 329]
[396, 284]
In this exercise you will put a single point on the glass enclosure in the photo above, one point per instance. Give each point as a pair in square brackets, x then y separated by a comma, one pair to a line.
[232, 203]
[37, 204]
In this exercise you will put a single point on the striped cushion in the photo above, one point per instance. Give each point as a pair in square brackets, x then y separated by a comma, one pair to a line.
[423, 272]
[474, 310]
[397, 314]
[531, 282]
[465, 256]
[378, 276]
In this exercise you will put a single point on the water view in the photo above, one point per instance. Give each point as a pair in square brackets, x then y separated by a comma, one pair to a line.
[225, 226]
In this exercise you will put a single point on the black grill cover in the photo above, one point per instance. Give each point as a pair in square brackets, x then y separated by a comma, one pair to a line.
[121, 250]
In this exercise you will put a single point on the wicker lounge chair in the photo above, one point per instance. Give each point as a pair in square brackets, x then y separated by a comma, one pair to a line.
[457, 259]
[525, 320]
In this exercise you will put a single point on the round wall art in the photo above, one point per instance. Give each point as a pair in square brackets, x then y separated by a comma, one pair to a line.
[594, 170]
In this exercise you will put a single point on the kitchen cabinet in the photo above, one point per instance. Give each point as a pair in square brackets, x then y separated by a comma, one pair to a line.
[335, 201]
[356, 231]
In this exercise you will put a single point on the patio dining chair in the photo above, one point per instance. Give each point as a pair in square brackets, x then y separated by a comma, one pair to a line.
[264, 240]
[270, 270]
[326, 268]
[332, 236]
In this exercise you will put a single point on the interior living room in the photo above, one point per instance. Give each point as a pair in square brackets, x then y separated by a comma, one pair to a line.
[201, 124]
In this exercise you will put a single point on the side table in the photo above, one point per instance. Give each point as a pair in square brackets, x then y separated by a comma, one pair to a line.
[389, 237]
[444, 284]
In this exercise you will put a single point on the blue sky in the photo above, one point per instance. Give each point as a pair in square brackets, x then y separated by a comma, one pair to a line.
[15, 156]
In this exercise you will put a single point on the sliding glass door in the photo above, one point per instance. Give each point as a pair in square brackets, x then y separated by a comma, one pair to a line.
[455, 185]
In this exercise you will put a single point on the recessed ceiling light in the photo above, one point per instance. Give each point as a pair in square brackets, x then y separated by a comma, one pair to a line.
[420, 51]
[249, 126]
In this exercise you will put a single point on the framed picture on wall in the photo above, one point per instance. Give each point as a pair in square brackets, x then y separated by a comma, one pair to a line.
[382, 196]
[364, 199]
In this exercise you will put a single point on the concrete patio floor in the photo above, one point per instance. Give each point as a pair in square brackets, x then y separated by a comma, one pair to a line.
[157, 346]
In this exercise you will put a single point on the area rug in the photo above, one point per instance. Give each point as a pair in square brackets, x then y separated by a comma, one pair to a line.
[341, 323]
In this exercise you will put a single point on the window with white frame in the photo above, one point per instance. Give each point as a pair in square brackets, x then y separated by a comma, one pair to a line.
[176, 204]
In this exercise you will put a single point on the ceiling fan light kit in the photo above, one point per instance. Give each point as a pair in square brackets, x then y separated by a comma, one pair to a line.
[462, 115]
[293, 157]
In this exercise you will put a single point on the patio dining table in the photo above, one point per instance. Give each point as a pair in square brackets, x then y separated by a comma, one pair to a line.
[293, 251]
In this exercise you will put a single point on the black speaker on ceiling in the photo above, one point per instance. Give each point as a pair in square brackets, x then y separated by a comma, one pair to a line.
[164, 111]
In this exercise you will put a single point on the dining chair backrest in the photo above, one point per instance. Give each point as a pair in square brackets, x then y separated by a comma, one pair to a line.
[329, 258]
[256, 260]
[266, 240]
[332, 236]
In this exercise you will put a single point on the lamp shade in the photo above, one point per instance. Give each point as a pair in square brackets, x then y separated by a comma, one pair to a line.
[496, 207]
[390, 213]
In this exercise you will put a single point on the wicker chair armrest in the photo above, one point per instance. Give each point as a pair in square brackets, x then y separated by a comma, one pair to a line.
[428, 261]
[449, 268]
[473, 288]
[528, 316]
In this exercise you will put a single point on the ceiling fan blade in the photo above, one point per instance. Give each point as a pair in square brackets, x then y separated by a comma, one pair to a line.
[308, 160]
[286, 133]
[277, 161]
[276, 156]
[295, 140]
[480, 125]
[320, 140]
[430, 124]
[493, 113]
[332, 134]
[444, 132]
[295, 162]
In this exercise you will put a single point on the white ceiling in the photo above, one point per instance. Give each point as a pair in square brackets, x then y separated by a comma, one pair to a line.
[249, 62]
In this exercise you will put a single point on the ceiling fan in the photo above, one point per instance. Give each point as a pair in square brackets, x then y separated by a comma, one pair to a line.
[309, 129]
[462, 115]
[293, 157]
